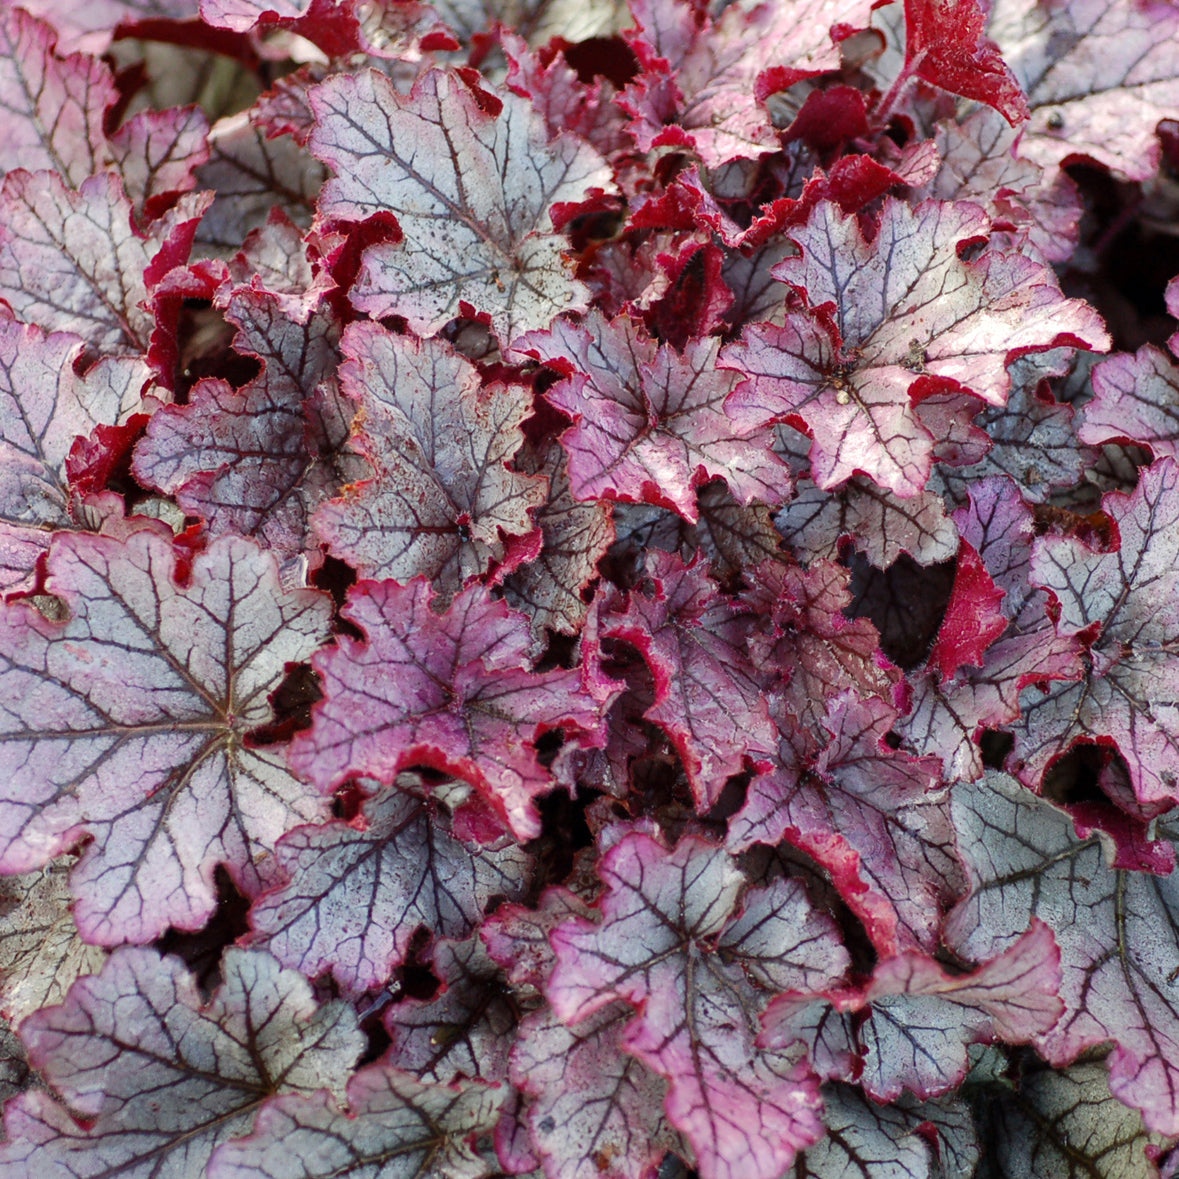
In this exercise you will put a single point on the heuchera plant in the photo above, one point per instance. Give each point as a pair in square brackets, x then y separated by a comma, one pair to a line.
[575, 600]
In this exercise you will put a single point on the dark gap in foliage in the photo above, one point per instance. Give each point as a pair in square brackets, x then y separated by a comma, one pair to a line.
[906, 602]
[560, 651]
[204, 350]
[564, 832]
[291, 701]
[1127, 263]
[1074, 778]
[374, 1028]
[337, 578]
[603, 57]
[730, 800]
[996, 747]
[414, 978]
[347, 801]
[200, 949]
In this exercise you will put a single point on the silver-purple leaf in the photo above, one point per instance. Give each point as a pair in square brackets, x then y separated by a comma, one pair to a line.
[125, 722]
[357, 891]
[472, 193]
[161, 1075]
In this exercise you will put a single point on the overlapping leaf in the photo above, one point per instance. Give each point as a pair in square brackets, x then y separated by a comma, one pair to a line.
[883, 1141]
[871, 815]
[155, 1077]
[892, 322]
[53, 106]
[709, 697]
[1136, 399]
[40, 951]
[395, 1127]
[258, 460]
[649, 424]
[473, 193]
[70, 260]
[125, 722]
[441, 500]
[1098, 77]
[44, 406]
[1129, 597]
[949, 712]
[451, 691]
[358, 891]
[1115, 929]
[1066, 1123]
[702, 85]
[746, 1111]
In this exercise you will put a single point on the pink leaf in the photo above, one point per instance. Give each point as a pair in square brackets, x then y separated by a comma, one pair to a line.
[921, 1019]
[871, 815]
[127, 725]
[258, 460]
[53, 106]
[709, 697]
[891, 322]
[702, 83]
[665, 914]
[450, 691]
[947, 715]
[473, 193]
[1136, 399]
[1098, 75]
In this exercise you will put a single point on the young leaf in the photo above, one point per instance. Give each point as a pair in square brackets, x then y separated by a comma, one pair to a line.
[442, 499]
[473, 194]
[126, 723]
[154, 1077]
[356, 893]
[450, 691]
[945, 45]
[665, 915]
